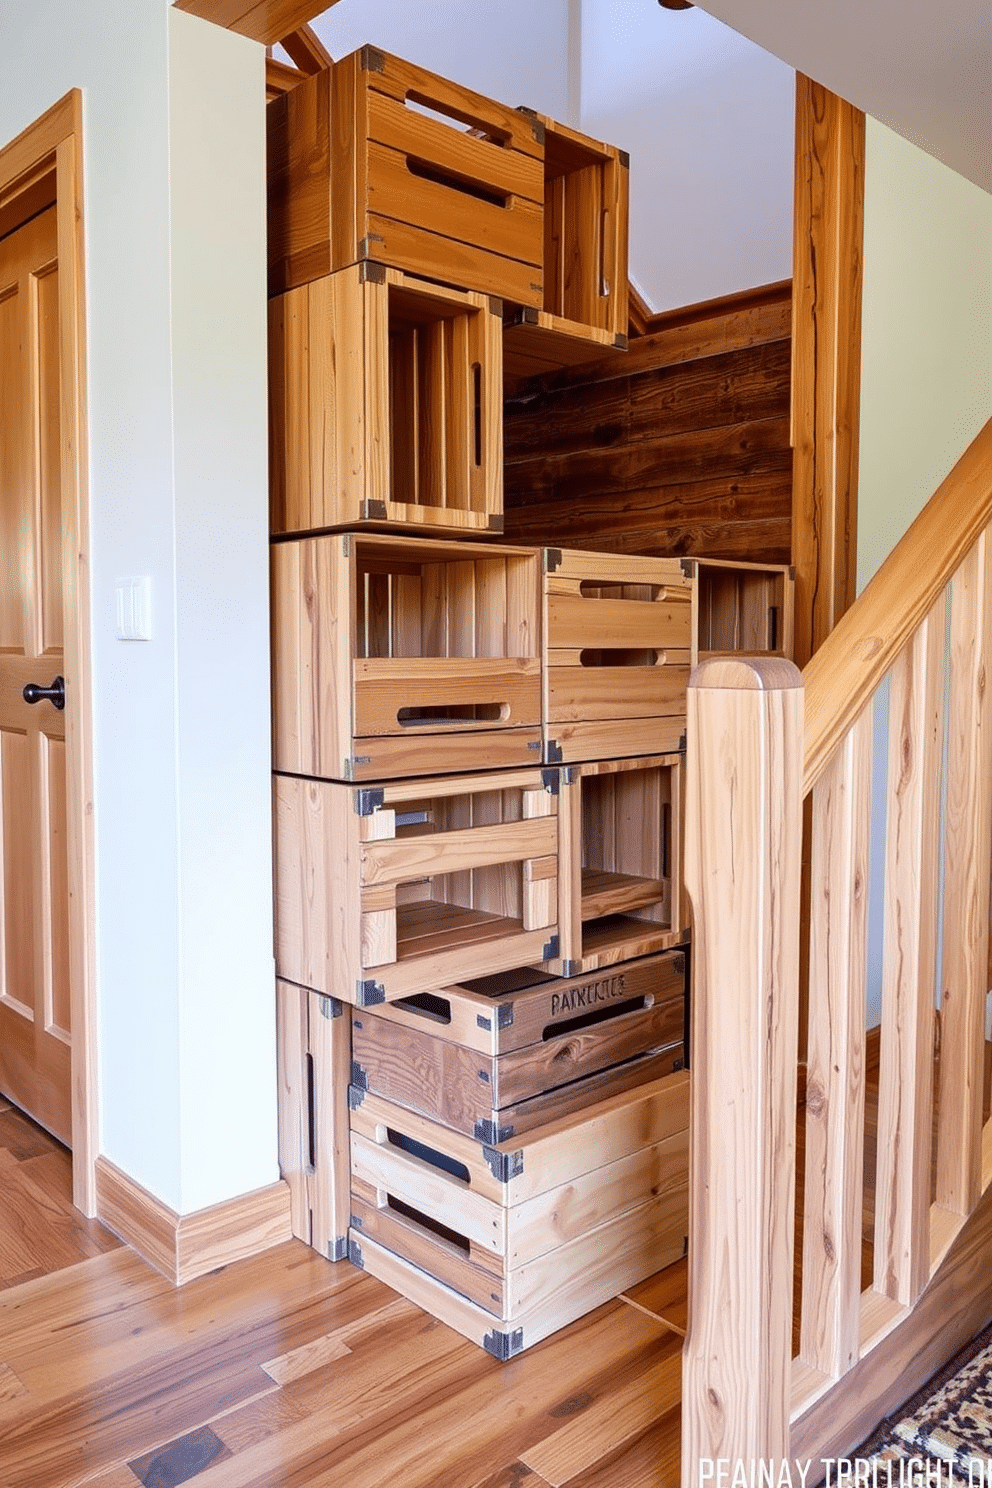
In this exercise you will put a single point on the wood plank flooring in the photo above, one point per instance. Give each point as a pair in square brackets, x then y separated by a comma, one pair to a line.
[288, 1371]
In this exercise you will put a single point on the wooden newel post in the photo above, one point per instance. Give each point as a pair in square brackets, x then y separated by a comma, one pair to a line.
[742, 872]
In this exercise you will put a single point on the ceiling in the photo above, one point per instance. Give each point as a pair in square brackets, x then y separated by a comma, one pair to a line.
[922, 68]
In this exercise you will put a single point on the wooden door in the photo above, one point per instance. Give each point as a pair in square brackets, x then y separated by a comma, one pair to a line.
[34, 936]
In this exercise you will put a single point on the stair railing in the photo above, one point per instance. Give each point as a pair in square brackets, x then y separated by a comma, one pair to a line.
[761, 738]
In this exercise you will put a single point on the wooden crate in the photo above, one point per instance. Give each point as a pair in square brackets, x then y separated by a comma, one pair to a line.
[384, 891]
[490, 1057]
[380, 159]
[385, 405]
[746, 607]
[617, 636]
[508, 1243]
[313, 1046]
[584, 313]
[619, 891]
[401, 656]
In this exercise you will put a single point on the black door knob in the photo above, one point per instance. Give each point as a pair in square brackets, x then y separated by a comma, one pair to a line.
[54, 694]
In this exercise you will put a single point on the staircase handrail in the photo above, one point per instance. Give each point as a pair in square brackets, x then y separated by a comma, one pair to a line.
[848, 667]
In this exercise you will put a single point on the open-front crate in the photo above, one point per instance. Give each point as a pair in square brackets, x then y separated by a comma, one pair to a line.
[384, 891]
[620, 889]
[401, 656]
[381, 159]
[746, 607]
[384, 405]
[508, 1243]
[617, 637]
[584, 311]
[503, 1054]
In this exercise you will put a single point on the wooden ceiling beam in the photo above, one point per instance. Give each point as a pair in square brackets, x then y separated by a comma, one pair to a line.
[267, 21]
[307, 50]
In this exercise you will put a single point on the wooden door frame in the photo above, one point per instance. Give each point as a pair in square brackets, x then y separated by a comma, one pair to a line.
[44, 164]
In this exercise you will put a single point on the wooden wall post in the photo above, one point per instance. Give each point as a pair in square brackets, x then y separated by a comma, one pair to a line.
[742, 864]
[828, 237]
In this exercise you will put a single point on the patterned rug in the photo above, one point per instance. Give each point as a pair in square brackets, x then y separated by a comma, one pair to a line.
[943, 1436]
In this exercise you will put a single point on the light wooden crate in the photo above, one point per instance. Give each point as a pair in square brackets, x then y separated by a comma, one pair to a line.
[501, 1055]
[747, 607]
[313, 1048]
[381, 159]
[508, 1243]
[620, 889]
[401, 656]
[384, 891]
[617, 638]
[584, 313]
[385, 405]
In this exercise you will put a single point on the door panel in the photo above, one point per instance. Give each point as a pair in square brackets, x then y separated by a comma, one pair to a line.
[34, 970]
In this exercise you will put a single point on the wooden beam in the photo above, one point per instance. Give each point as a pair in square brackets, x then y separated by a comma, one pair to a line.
[307, 50]
[826, 351]
[267, 21]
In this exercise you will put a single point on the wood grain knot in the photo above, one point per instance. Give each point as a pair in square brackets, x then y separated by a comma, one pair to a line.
[868, 647]
[815, 1098]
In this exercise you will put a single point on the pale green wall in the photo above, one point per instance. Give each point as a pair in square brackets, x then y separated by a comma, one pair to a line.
[926, 380]
[926, 372]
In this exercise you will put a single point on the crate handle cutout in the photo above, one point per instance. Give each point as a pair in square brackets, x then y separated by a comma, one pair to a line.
[426, 170]
[604, 226]
[477, 415]
[430, 1155]
[606, 589]
[425, 1222]
[773, 627]
[447, 713]
[455, 118]
[622, 658]
[426, 1005]
[600, 1015]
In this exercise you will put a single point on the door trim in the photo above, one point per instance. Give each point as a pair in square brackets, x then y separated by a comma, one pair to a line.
[45, 164]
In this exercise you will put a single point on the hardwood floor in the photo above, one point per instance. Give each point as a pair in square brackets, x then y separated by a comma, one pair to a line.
[288, 1371]
[40, 1231]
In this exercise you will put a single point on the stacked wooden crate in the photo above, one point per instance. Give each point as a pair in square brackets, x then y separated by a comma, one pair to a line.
[480, 931]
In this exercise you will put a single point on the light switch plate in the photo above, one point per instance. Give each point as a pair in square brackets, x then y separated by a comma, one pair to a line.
[134, 609]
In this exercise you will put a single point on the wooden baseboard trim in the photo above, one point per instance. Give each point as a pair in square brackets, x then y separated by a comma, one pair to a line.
[183, 1246]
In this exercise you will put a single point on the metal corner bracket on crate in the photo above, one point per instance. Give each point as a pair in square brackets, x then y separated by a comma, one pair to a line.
[368, 800]
[355, 1253]
[356, 1096]
[337, 1250]
[503, 1346]
[369, 992]
[552, 781]
[489, 1133]
[359, 1077]
[503, 1165]
[330, 1007]
[552, 949]
[504, 1018]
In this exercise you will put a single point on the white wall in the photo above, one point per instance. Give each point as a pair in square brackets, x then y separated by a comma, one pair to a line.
[176, 457]
[708, 119]
[926, 368]
[926, 378]
[515, 51]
